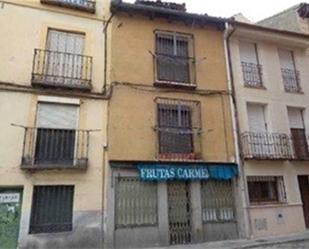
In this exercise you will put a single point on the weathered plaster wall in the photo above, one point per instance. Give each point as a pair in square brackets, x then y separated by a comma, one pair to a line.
[132, 108]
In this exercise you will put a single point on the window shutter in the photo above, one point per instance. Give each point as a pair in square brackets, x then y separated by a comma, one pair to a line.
[295, 118]
[57, 116]
[248, 52]
[286, 58]
[257, 122]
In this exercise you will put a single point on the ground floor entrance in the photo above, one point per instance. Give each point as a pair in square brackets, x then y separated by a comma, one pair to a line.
[179, 213]
[303, 182]
[10, 212]
[170, 204]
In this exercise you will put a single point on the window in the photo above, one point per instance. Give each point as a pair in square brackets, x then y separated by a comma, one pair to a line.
[256, 118]
[173, 62]
[290, 75]
[177, 126]
[298, 133]
[136, 202]
[217, 201]
[56, 134]
[265, 189]
[252, 70]
[52, 208]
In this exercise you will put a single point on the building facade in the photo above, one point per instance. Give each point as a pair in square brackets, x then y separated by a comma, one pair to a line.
[270, 75]
[53, 123]
[172, 176]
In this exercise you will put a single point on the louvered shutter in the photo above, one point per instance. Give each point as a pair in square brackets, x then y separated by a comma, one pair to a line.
[57, 116]
[286, 58]
[295, 118]
[256, 117]
[248, 52]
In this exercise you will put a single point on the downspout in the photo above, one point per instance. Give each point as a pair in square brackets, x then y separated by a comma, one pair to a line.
[229, 30]
[105, 51]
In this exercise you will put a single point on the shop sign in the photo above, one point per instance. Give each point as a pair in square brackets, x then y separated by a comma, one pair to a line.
[148, 173]
[9, 198]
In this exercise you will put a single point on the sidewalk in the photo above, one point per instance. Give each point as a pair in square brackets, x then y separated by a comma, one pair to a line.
[243, 244]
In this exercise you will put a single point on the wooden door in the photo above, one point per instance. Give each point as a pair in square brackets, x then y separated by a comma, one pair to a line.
[303, 182]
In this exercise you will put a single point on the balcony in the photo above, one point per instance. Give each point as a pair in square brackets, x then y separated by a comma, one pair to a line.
[178, 130]
[175, 71]
[252, 74]
[291, 80]
[273, 146]
[46, 148]
[61, 70]
[83, 5]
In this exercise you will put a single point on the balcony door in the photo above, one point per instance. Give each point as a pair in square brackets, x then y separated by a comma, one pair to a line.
[250, 64]
[56, 134]
[288, 71]
[64, 56]
[258, 144]
[298, 133]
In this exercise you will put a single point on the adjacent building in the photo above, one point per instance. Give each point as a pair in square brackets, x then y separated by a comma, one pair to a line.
[171, 174]
[53, 123]
[270, 75]
[294, 19]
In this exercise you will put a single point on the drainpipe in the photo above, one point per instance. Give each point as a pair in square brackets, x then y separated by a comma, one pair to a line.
[228, 32]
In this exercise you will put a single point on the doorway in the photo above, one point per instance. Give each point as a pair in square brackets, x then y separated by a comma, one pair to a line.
[303, 182]
[10, 212]
[179, 212]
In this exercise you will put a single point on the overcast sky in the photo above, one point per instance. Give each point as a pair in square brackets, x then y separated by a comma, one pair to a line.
[255, 10]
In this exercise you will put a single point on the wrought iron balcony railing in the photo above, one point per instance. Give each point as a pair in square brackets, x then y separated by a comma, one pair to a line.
[178, 144]
[174, 70]
[46, 148]
[84, 5]
[58, 69]
[264, 145]
[252, 74]
[291, 80]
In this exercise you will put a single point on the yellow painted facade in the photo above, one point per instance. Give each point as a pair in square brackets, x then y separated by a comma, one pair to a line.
[132, 107]
[24, 28]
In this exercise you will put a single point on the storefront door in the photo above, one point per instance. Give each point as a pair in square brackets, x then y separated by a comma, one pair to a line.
[304, 192]
[10, 210]
[179, 209]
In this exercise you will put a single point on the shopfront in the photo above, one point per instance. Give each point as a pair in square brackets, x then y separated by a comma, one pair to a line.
[159, 204]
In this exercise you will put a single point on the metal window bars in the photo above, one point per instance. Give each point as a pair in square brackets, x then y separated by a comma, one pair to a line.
[59, 69]
[174, 63]
[291, 80]
[252, 74]
[136, 203]
[46, 148]
[52, 209]
[217, 199]
[84, 5]
[178, 129]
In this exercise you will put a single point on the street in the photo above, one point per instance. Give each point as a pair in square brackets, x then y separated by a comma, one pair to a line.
[294, 245]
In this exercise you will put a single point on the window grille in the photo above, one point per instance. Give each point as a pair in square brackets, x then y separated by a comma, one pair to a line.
[52, 209]
[264, 189]
[217, 201]
[136, 202]
[178, 128]
[174, 60]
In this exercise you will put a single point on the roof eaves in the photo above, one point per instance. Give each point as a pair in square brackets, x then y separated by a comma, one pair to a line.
[170, 14]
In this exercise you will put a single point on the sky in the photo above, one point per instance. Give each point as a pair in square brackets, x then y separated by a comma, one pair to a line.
[254, 10]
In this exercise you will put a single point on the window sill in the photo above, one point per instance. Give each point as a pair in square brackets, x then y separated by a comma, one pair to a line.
[268, 204]
[294, 92]
[173, 84]
[255, 87]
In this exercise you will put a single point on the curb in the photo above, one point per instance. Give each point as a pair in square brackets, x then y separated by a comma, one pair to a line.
[269, 243]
